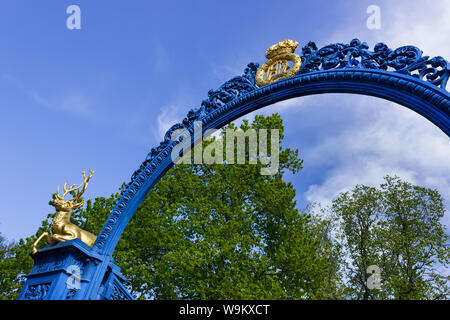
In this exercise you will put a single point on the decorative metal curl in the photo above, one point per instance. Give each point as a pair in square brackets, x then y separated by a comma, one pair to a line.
[406, 60]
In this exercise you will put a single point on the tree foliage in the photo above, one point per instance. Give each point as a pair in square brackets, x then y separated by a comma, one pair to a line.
[214, 231]
[398, 228]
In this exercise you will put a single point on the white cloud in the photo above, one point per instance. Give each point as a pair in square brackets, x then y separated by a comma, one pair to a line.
[425, 25]
[167, 117]
[396, 141]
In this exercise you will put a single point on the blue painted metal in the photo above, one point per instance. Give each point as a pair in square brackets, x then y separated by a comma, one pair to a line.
[49, 277]
[402, 75]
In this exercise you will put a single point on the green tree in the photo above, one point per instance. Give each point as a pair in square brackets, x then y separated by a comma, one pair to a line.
[5, 249]
[359, 212]
[415, 239]
[216, 231]
[325, 230]
[398, 228]
[223, 232]
[14, 264]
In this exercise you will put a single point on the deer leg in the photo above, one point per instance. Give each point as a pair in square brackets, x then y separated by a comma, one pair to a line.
[61, 237]
[47, 237]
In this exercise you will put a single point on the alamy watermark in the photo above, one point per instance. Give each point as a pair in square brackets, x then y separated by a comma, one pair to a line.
[74, 20]
[235, 147]
[374, 20]
[374, 280]
[74, 281]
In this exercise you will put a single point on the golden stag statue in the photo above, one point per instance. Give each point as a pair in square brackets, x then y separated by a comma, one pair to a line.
[62, 228]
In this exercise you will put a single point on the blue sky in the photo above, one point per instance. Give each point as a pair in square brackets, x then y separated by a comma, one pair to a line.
[103, 96]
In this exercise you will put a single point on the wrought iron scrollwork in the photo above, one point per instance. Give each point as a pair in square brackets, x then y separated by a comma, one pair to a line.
[407, 60]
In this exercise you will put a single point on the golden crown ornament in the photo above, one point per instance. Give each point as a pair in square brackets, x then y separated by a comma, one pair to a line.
[283, 63]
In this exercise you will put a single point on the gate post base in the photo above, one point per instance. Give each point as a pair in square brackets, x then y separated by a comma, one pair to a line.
[69, 271]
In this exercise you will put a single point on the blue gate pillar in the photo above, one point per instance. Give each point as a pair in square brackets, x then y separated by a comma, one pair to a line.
[71, 270]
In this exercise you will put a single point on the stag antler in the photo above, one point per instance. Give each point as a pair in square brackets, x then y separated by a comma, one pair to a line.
[73, 187]
[84, 184]
[66, 191]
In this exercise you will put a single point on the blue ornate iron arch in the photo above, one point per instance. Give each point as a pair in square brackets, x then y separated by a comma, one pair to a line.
[402, 75]
[332, 69]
